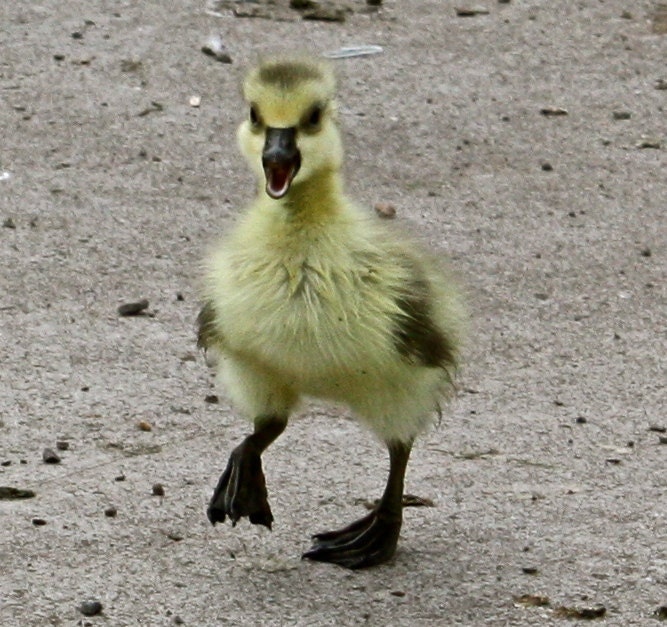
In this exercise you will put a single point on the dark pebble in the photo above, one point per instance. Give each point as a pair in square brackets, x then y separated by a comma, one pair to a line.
[90, 608]
[529, 570]
[38, 522]
[661, 612]
[621, 115]
[580, 420]
[119, 478]
[62, 445]
[133, 309]
[646, 252]
[9, 493]
[111, 512]
[158, 489]
[7, 462]
[9, 223]
[178, 620]
[211, 398]
[547, 167]
[50, 456]
[77, 35]
[662, 439]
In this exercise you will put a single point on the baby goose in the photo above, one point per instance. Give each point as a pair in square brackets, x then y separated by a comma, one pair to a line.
[311, 296]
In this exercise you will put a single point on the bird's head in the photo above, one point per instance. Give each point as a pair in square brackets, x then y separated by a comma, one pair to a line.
[289, 135]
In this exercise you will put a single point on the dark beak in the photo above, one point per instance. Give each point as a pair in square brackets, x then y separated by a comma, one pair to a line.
[281, 160]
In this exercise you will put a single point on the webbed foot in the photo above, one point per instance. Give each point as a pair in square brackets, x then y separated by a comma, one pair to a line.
[241, 490]
[366, 542]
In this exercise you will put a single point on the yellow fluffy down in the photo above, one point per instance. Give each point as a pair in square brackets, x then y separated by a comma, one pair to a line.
[307, 307]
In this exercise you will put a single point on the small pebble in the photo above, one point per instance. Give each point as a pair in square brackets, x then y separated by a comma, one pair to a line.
[211, 398]
[144, 425]
[9, 493]
[62, 445]
[646, 252]
[649, 143]
[49, 456]
[661, 612]
[385, 210]
[546, 166]
[471, 11]
[532, 600]
[585, 613]
[158, 489]
[324, 13]
[178, 620]
[38, 522]
[195, 101]
[133, 309]
[215, 48]
[9, 223]
[553, 111]
[581, 420]
[621, 115]
[119, 478]
[529, 570]
[397, 593]
[111, 512]
[300, 5]
[90, 608]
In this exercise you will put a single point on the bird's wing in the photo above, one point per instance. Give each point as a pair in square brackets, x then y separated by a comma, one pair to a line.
[208, 334]
[417, 337]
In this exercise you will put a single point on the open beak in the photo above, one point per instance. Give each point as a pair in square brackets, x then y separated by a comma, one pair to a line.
[281, 160]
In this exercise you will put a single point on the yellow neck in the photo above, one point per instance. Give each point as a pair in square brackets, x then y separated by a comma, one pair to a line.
[313, 199]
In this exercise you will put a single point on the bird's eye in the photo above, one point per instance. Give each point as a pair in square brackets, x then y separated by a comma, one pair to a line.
[315, 117]
[254, 116]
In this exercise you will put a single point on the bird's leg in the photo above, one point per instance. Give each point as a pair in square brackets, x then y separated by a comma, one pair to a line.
[371, 540]
[241, 490]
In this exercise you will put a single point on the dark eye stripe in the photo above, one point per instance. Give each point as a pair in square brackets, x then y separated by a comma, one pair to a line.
[254, 118]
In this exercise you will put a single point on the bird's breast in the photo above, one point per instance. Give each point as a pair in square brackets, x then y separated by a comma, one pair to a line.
[306, 318]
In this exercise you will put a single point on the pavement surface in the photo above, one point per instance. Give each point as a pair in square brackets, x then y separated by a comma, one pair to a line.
[527, 142]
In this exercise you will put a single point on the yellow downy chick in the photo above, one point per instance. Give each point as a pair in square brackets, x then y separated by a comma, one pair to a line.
[311, 296]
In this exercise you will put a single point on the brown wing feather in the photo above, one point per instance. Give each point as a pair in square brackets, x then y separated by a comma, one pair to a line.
[207, 332]
[416, 335]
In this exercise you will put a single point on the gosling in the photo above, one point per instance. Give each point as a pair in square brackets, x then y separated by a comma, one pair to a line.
[311, 296]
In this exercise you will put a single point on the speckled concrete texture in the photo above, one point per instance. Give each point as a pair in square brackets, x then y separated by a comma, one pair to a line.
[527, 143]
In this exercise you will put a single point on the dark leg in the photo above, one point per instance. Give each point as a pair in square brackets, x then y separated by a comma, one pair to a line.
[371, 540]
[241, 490]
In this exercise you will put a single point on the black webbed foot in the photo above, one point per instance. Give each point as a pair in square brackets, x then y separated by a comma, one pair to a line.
[366, 542]
[241, 490]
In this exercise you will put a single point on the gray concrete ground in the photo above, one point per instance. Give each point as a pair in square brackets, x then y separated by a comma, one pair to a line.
[547, 473]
